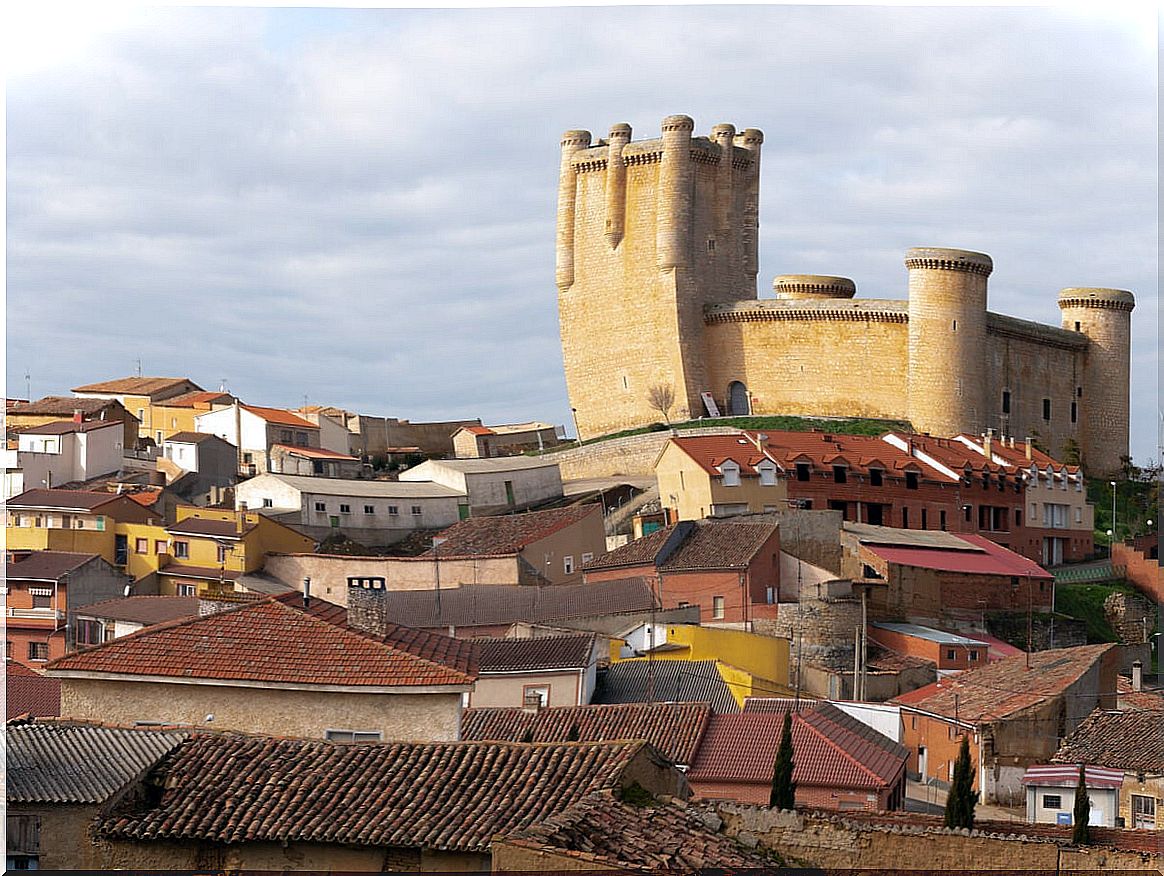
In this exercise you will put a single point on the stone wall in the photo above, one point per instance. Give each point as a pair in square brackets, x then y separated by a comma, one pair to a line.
[633, 455]
[1132, 617]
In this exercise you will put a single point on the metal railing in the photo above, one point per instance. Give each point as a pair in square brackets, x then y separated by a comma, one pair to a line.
[1089, 573]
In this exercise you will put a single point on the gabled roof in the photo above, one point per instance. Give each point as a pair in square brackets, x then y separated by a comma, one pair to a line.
[507, 533]
[988, 559]
[1017, 455]
[135, 385]
[673, 728]
[195, 399]
[1001, 689]
[279, 416]
[613, 836]
[476, 605]
[142, 609]
[313, 452]
[1130, 741]
[827, 750]
[265, 642]
[710, 451]
[858, 453]
[31, 693]
[68, 427]
[64, 406]
[526, 655]
[63, 500]
[451, 796]
[368, 489]
[192, 438]
[46, 565]
[675, 681]
[56, 762]
[208, 527]
[1067, 775]
[701, 544]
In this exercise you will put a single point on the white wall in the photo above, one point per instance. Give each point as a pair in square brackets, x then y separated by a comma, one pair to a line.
[882, 717]
[486, 490]
[283, 496]
[222, 424]
[183, 455]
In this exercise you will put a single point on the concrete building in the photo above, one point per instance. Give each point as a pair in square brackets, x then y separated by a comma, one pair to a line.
[719, 475]
[1051, 794]
[512, 439]
[61, 409]
[373, 513]
[75, 521]
[139, 395]
[949, 652]
[314, 462]
[211, 461]
[60, 453]
[493, 485]
[253, 430]
[657, 261]
[541, 672]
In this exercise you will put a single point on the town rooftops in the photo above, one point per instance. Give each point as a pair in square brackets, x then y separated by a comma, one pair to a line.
[673, 728]
[209, 527]
[675, 681]
[63, 406]
[57, 762]
[1130, 741]
[691, 545]
[500, 656]
[482, 605]
[710, 452]
[506, 534]
[191, 438]
[67, 427]
[365, 488]
[30, 693]
[46, 565]
[984, 558]
[1001, 689]
[927, 633]
[493, 465]
[1063, 775]
[197, 399]
[265, 643]
[450, 796]
[859, 454]
[78, 501]
[151, 386]
[1017, 456]
[142, 609]
[830, 749]
[868, 534]
[313, 452]
[279, 416]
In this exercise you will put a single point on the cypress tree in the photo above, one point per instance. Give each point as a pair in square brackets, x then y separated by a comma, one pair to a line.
[962, 798]
[572, 735]
[1081, 822]
[783, 788]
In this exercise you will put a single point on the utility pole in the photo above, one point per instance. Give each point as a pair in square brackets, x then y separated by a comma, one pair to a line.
[1029, 608]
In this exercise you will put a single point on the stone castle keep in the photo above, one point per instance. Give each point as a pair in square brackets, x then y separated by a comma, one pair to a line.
[657, 257]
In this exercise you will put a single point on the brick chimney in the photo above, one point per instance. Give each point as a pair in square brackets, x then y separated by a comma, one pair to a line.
[77, 416]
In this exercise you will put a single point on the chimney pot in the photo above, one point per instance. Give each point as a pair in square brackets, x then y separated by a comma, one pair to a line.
[1137, 676]
[306, 592]
[76, 416]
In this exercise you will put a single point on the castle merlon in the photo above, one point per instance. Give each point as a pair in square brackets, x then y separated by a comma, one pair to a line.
[937, 258]
[1104, 299]
[636, 152]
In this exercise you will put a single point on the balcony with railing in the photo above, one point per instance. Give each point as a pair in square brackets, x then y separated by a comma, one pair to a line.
[44, 614]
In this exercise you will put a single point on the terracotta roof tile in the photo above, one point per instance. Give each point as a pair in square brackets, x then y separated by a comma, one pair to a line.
[135, 385]
[65, 406]
[703, 544]
[452, 796]
[81, 500]
[192, 437]
[29, 692]
[142, 609]
[46, 565]
[313, 452]
[209, 527]
[280, 416]
[265, 641]
[547, 652]
[1131, 740]
[507, 533]
[711, 451]
[65, 427]
[673, 728]
[195, 399]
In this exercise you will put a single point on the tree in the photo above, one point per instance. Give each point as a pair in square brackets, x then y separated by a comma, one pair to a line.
[1081, 830]
[1072, 452]
[962, 799]
[661, 397]
[783, 788]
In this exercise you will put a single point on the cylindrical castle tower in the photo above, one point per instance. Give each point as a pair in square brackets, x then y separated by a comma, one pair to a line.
[813, 286]
[620, 135]
[572, 141]
[947, 339]
[751, 139]
[1105, 316]
[673, 223]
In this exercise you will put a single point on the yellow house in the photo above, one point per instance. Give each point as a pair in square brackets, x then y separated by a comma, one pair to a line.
[207, 550]
[718, 475]
[140, 395]
[74, 520]
[174, 415]
[750, 664]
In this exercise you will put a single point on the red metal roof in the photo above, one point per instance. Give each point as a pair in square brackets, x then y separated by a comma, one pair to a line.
[991, 559]
[1064, 775]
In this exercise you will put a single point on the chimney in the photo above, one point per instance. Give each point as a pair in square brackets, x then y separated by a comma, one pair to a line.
[531, 704]
[987, 442]
[306, 592]
[1027, 441]
[77, 416]
[1137, 676]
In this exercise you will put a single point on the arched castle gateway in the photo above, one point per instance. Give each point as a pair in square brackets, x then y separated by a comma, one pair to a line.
[657, 259]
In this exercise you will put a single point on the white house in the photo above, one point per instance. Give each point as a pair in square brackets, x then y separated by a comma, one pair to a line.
[1051, 793]
[493, 485]
[373, 513]
[254, 429]
[66, 452]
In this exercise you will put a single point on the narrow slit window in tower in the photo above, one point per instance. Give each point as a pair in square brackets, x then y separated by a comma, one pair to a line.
[1006, 401]
[1047, 409]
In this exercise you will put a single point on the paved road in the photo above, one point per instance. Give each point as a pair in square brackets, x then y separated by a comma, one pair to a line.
[932, 799]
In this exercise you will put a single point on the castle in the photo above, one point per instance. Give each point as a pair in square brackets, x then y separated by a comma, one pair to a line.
[657, 257]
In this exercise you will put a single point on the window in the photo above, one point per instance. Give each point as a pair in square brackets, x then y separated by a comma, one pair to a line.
[393, 510]
[711, 244]
[1047, 409]
[911, 479]
[942, 520]
[875, 475]
[160, 546]
[89, 632]
[767, 475]
[141, 414]
[222, 553]
[42, 600]
[973, 656]
[141, 545]
[966, 509]
[345, 509]
[950, 654]
[905, 518]
[587, 557]
[187, 589]
[320, 506]
[38, 650]
[285, 436]
[803, 471]
[301, 439]
[1018, 516]
[80, 523]
[353, 735]
[369, 509]
[568, 565]
[731, 474]
[717, 607]
[1078, 515]
[182, 550]
[923, 521]
[1053, 801]
[1006, 401]
[535, 693]
[416, 510]
[840, 474]
[1074, 412]
[8, 648]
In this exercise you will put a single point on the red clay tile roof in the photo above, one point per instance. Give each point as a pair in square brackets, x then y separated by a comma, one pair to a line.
[711, 451]
[1131, 740]
[859, 453]
[209, 527]
[65, 406]
[611, 835]
[1017, 456]
[991, 559]
[452, 796]
[194, 399]
[280, 416]
[506, 534]
[313, 452]
[461, 654]
[478, 430]
[549, 652]
[708, 545]
[28, 692]
[268, 642]
[673, 728]
[1000, 689]
[142, 609]
[46, 565]
[135, 385]
[65, 427]
[827, 751]
[69, 500]
[145, 498]
[1143, 699]
[192, 437]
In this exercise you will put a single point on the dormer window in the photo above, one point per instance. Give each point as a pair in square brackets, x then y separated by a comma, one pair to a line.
[731, 473]
[911, 480]
[803, 471]
[767, 474]
[840, 474]
[875, 477]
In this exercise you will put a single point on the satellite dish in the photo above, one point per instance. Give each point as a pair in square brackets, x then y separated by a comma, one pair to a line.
[128, 589]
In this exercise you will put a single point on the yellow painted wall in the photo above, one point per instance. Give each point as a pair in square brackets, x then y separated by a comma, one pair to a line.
[696, 491]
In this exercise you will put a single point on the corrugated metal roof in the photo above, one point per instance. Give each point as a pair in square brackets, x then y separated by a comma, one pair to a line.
[1067, 775]
[79, 763]
[927, 633]
[675, 681]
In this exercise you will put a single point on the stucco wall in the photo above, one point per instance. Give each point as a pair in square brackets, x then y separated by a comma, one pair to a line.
[275, 712]
[506, 690]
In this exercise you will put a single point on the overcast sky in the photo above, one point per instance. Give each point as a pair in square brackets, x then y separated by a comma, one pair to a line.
[357, 207]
